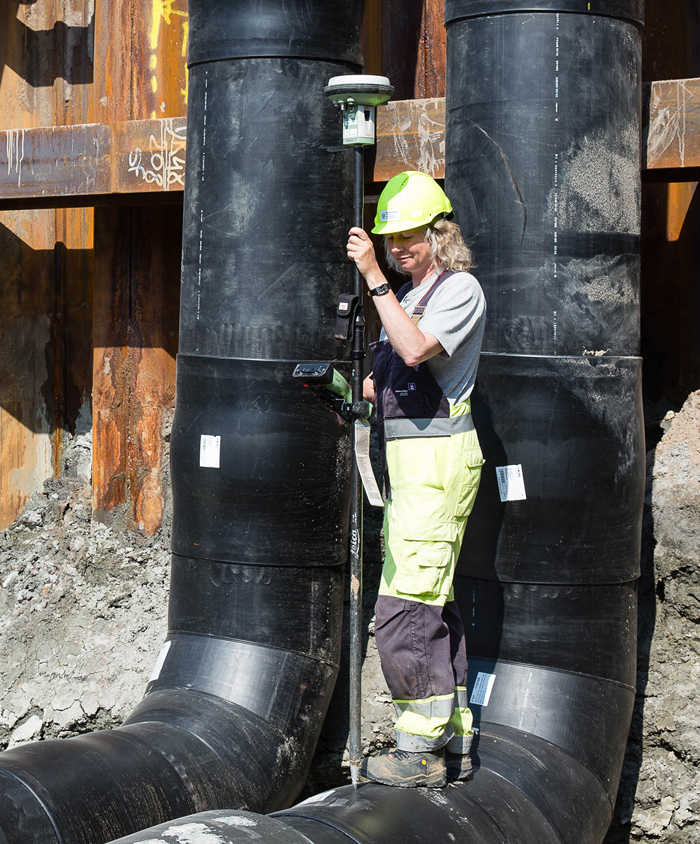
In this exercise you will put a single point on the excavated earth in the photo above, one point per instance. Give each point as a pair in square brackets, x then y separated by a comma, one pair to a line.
[659, 797]
[83, 615]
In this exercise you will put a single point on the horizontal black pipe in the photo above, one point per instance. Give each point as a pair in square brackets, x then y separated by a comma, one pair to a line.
[223, 826]
[231, 715]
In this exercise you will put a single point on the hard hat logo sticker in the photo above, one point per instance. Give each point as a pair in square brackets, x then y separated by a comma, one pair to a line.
[390, 215]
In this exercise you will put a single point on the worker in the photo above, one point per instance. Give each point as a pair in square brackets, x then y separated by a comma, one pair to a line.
[425, 364]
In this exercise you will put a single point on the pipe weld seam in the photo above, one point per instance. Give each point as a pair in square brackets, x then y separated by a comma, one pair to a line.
[291, 814]
[551, 670]
[38, 799]
[302, 654]
[561, 749]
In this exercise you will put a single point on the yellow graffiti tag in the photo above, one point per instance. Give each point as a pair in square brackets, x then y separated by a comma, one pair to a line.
[165, 10]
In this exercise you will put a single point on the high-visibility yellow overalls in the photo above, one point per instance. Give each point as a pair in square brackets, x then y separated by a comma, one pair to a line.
[433, 467]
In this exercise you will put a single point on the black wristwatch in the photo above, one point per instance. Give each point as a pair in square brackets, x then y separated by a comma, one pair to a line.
[381, 290]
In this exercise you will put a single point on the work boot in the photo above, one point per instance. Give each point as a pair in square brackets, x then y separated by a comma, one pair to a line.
[459, 765]
[406, 769]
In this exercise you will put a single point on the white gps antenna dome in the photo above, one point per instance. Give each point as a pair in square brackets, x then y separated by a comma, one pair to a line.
[358, 97]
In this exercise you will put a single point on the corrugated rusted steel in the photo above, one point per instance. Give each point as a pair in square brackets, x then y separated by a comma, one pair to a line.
[140, 49]
[26, 376]
[410, 49]
[73, 62]
[46, 79]
[671, 211]
[429, 79]
[135, 343]
[142, 79]
[671, 48]
[679, 200]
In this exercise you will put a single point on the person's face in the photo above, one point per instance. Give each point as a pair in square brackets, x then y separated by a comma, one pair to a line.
[411, 251]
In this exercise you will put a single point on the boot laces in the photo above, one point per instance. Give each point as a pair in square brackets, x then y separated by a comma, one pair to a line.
[405, 755]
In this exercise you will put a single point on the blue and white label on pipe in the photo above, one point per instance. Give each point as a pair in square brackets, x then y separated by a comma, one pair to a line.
[483, 686]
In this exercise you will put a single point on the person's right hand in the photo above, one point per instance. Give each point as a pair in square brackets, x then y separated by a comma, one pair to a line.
[361, 250]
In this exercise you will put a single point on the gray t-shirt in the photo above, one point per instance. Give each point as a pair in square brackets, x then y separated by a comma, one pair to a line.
[455, 316]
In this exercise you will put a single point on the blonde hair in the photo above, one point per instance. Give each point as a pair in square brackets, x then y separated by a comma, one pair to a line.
[447, 248]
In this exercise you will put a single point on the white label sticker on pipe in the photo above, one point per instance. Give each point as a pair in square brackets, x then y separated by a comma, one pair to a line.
[511, 484]
[210, 451]
[158, 667]
[483, 686]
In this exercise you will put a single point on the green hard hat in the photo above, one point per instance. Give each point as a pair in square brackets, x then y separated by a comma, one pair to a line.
[409, 200]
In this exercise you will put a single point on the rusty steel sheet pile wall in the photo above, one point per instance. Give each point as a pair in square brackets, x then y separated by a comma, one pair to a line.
[76, 62]
[140, 74]
[46, 73]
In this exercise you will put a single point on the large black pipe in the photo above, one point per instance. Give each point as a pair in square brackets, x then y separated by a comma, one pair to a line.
[233, 711]
[543, 115]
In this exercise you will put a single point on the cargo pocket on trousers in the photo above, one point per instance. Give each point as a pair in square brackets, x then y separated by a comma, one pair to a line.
[426, 570]
[471, 478]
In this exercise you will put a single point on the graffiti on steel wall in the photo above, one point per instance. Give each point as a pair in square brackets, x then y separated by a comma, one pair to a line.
[15, 152]
[163, 163]
[168, 12]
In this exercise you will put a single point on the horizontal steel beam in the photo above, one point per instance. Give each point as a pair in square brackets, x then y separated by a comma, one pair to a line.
[93, 163]
[144, 160]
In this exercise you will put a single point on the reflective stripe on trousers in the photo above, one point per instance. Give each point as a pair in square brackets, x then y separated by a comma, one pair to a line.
[435, 722]
[424, 659]
[462, 721]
